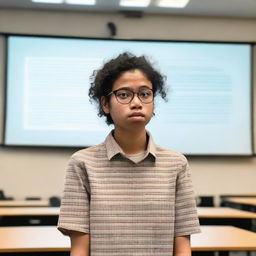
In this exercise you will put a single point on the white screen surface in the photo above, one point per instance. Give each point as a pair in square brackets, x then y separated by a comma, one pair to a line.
[208, 111]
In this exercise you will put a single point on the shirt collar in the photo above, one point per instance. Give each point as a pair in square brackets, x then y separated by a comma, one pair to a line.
[114, 149]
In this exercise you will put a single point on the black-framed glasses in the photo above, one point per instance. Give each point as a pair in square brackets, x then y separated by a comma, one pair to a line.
[126, 95]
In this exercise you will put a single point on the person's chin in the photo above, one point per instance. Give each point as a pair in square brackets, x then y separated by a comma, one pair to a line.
[138, 121]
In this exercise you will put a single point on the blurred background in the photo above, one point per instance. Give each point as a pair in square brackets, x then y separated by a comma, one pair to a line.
[39, 171]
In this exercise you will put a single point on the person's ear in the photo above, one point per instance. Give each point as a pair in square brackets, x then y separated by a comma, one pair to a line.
[104, 105]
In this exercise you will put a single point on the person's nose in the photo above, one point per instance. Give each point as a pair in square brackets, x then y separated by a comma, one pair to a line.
[136, 102]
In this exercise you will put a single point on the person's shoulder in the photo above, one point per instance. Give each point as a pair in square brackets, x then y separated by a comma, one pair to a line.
[169, 152]
[89, 152]
[170, 155]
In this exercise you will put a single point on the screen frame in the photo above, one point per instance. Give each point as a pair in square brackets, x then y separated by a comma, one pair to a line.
[251, 88]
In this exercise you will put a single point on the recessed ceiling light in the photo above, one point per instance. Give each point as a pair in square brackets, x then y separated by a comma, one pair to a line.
[81, 2]
[172, 3]
[134, 3]
[48, 1]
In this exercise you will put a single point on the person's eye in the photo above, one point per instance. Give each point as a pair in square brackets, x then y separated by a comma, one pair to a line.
[123, 95]
[145, 94]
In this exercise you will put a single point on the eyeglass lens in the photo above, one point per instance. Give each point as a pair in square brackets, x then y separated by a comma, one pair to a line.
[125, 96]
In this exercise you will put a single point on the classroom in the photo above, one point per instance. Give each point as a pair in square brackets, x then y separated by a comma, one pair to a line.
[37, 172]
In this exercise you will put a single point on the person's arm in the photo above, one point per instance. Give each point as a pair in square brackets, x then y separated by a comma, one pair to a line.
[182, 246]
[80, 244]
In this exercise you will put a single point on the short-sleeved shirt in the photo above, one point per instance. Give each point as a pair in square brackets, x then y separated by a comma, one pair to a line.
[128, 208]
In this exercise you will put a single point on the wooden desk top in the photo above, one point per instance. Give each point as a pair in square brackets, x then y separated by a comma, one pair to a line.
[203, 212]
[242, 200]
[224, 212]
[25, 211]
[25, 203]
[32, 239]
[46, 238]
[223, 238]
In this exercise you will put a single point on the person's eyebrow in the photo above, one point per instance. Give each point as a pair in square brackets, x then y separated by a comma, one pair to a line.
[128, 88]
[124, 88]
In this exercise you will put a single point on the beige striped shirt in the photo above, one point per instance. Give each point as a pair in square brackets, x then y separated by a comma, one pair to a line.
[128, 208]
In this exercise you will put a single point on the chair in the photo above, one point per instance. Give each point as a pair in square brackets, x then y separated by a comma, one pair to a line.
[2, 196]
[54, 201]
[205, 201]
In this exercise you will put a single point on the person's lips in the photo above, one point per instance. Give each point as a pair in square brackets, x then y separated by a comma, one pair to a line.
[136, 114]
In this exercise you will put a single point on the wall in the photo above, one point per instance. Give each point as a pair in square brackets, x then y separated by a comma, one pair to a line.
[40, 171]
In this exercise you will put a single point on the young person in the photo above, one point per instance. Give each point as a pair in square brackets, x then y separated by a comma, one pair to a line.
[128, 196]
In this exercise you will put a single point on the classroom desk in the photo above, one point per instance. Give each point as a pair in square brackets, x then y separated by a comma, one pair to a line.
[243, 203]
[32, 239]
[224, 212]
[49, 239]
[227, 216]
[25, 203]
[242, 200]
[28, 216]
[32, 211]
[223, 238]
[22, 216]
[203, 212]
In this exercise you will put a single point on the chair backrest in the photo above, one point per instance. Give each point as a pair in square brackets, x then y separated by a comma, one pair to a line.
[54, 201]
[205, 201]
[2, 196]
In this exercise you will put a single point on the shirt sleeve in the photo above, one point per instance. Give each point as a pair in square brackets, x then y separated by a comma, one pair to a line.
[75, 203]
[186, 219]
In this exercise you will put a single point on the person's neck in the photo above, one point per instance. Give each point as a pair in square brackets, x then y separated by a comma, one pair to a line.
[131, 142]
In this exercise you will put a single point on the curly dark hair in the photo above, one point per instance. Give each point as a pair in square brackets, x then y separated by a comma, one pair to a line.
[102, 80]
